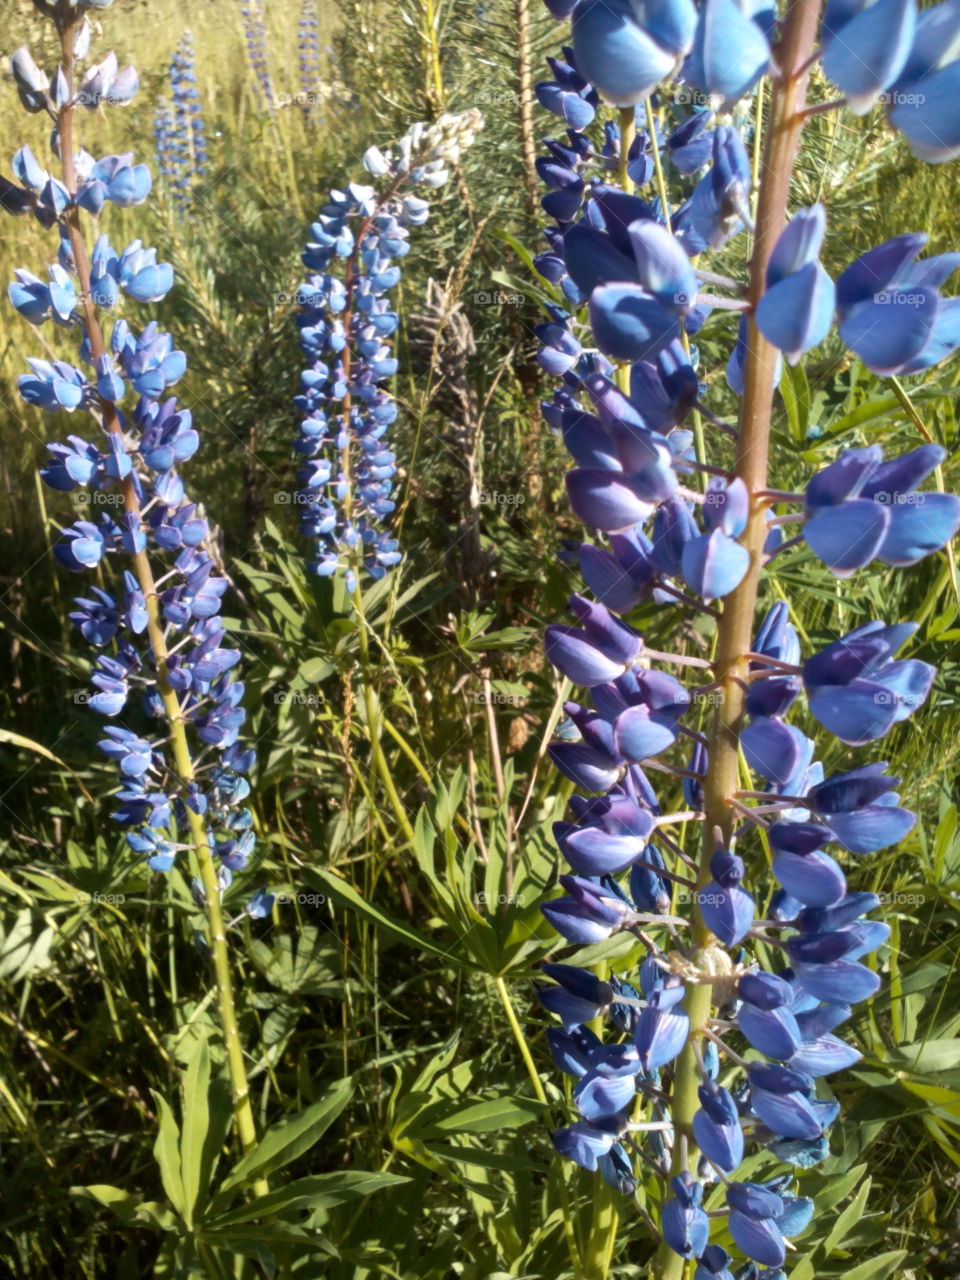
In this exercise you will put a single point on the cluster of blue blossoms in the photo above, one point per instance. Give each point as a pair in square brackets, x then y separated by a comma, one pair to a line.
[308, 44]
[127, 484]
[346, 322]
[258, 50]
[630, 295]
[180, 135]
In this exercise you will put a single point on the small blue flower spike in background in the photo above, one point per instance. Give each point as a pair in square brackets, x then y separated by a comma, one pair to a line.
[346, 325]
[180, 136]
[721, 1039]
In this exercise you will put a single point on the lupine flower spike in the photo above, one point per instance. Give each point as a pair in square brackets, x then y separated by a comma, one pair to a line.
[179, 130]
[346, 323]
[715, 1055]
[308, 40]
[258, 51]
[164, 676]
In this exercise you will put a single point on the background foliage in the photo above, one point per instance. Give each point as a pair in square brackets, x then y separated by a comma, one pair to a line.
[412, 932]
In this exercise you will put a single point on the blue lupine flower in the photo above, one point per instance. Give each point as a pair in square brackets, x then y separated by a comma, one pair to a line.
[923, 103]
[625, 50]
[730, 50]
[856, 693]
[308, 43]
[179, 130]
[796, 309]
[134, 457]
[630, 274]
[568, 95]
[867, 53]
[860, 508]
[890, 310]
[258, 50]
[727, 909]
[686, 1228]
[347, 469]
[260, 905]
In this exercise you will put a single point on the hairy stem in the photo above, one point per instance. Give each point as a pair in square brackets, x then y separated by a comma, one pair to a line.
[242, 1108]
[735, 628]
[528, 142]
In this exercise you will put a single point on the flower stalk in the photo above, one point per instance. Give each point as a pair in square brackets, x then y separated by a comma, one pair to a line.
[242, 1108]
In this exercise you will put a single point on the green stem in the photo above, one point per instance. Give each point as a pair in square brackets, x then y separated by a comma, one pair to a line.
[735, 628]
[430, 35]
[628, 131]
[371, 704]
[242, 1109]
[657, 164]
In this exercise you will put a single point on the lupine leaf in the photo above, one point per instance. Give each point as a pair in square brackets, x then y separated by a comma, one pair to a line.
[324, 1191]
[877, 1268]
[288, 1140]
[166, 1151]
[347, 896]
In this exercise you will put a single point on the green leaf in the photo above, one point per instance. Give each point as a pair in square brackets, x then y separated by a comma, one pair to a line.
[130, 1209]
[344, 893]
[928, 1057]
[848, 1219]
[795, 391]
[287, 1141]
[166, 1151]
[196, 1119]
[324, 1191]
[877, 1268]
[491, 1116]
